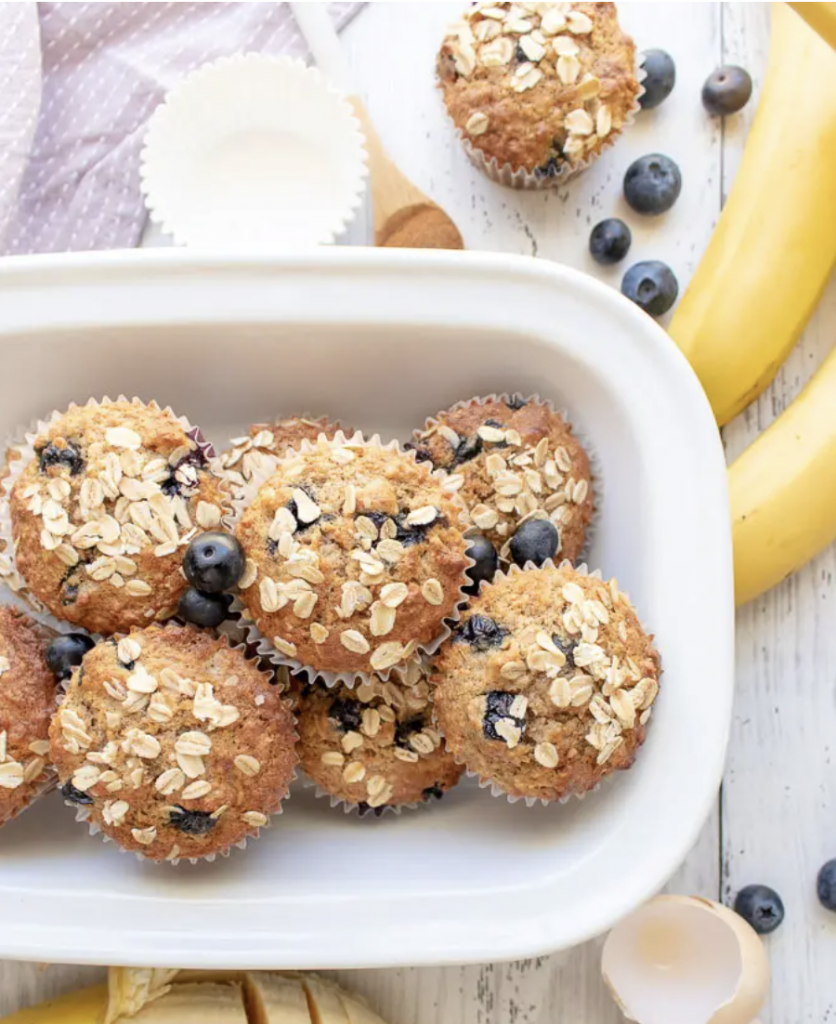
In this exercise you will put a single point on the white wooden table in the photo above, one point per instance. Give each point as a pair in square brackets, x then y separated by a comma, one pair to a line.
[773, 819]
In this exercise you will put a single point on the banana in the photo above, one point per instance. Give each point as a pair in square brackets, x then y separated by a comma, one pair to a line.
[775, 245]
[821, 17]
[783, 490]
[84, 1007]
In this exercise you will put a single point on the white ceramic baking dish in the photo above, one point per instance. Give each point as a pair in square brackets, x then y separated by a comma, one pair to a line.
[382, 339]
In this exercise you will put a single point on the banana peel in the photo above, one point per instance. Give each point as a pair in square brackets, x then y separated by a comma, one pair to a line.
[147, 996]
[821, 17]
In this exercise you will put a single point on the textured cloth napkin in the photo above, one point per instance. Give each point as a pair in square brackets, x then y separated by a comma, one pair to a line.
[104, 67]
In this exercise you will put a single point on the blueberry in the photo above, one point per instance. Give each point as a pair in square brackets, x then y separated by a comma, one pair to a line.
[480, 632]
[206, 610]
[610, 241]
[661, 78]
[193, 823]
[517, 402]
[761, 907]
[421, 454]
[498, 706]
[652, 184]
[550, 169]
[75, 796]
[535, 541]
[65, 653]
[468, 449]
[826, 885]
[406, 729]
[433, 792]
[346, 714]
[727, 90]
[69, 456]
[484, 555]
[566, 647]
[364, 808]
[407, 535]
[652, 285]
[214, 562]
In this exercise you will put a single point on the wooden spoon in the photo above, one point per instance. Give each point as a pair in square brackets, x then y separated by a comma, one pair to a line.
[403, 216]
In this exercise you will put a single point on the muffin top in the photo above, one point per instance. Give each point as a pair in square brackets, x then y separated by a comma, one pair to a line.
[102, 514]
[374, 746]
[175, 742]
[257, 454]
[355, 555]
[511, 462]
[541, 86]
[27, 702]
[547, 683]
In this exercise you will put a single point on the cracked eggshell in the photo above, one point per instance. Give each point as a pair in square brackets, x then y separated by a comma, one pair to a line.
[686, 959]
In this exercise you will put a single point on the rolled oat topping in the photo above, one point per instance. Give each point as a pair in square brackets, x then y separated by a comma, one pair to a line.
[358, 555]
[563, 698]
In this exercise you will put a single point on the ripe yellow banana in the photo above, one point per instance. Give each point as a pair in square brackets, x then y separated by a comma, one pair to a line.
[775, 244]
[821, 17]
[84, 1007]
[783, 490]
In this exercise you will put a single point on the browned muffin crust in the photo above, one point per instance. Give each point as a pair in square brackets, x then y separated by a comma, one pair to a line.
[27, 702]
[539, 86]
[374, 746]
[548, 683]
[511, 463]
[355, 556]
[176, 742]
[102, 514]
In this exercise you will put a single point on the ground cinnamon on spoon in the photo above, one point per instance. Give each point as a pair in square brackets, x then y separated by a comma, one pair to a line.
[420, 227]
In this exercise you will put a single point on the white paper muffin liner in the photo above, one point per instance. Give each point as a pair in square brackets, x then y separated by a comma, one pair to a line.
[489, 784]
[373, 814]
[83, 812]
[596, 476]
[22, 442]
[254, 152]
[529, 181]
[350, 678]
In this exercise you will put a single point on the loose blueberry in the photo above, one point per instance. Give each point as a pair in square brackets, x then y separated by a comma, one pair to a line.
[193, 823]
[206, 610]
[652, 285]
[661, 78]
[214, 562]
[610, 241]
[826, 886]
[498, 706]
[480, 632]
[346, 714]
[652, 184]
[75, 796]
[69, 456]
[535, 541]
[761, 907]
[65, 652]
[433, 792]
[727, 90]
[484, 555]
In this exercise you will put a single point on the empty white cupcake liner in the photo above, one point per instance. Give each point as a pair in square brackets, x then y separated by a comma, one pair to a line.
[22, 445]
[254, 152]
[596, 476]
[529, 181]
[489, 784]
[83, 813]
[264, 645]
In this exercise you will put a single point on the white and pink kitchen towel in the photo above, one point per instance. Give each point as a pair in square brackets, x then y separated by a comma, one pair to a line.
[78, 82]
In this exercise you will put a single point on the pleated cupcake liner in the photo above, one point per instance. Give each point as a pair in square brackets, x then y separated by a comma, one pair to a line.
[311, 672]
[348, 808]
[529, 181]
[83, 812]
[22, 444]
[490, 784]
[596, 476]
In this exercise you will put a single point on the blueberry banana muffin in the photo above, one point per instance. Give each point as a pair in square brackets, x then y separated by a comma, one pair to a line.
[175, 743]
[547, 684]
[27, 703]
[519, 470]
[355, 556]
[542, 88]
[375, 746]
[257, 454]
[102, 513]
